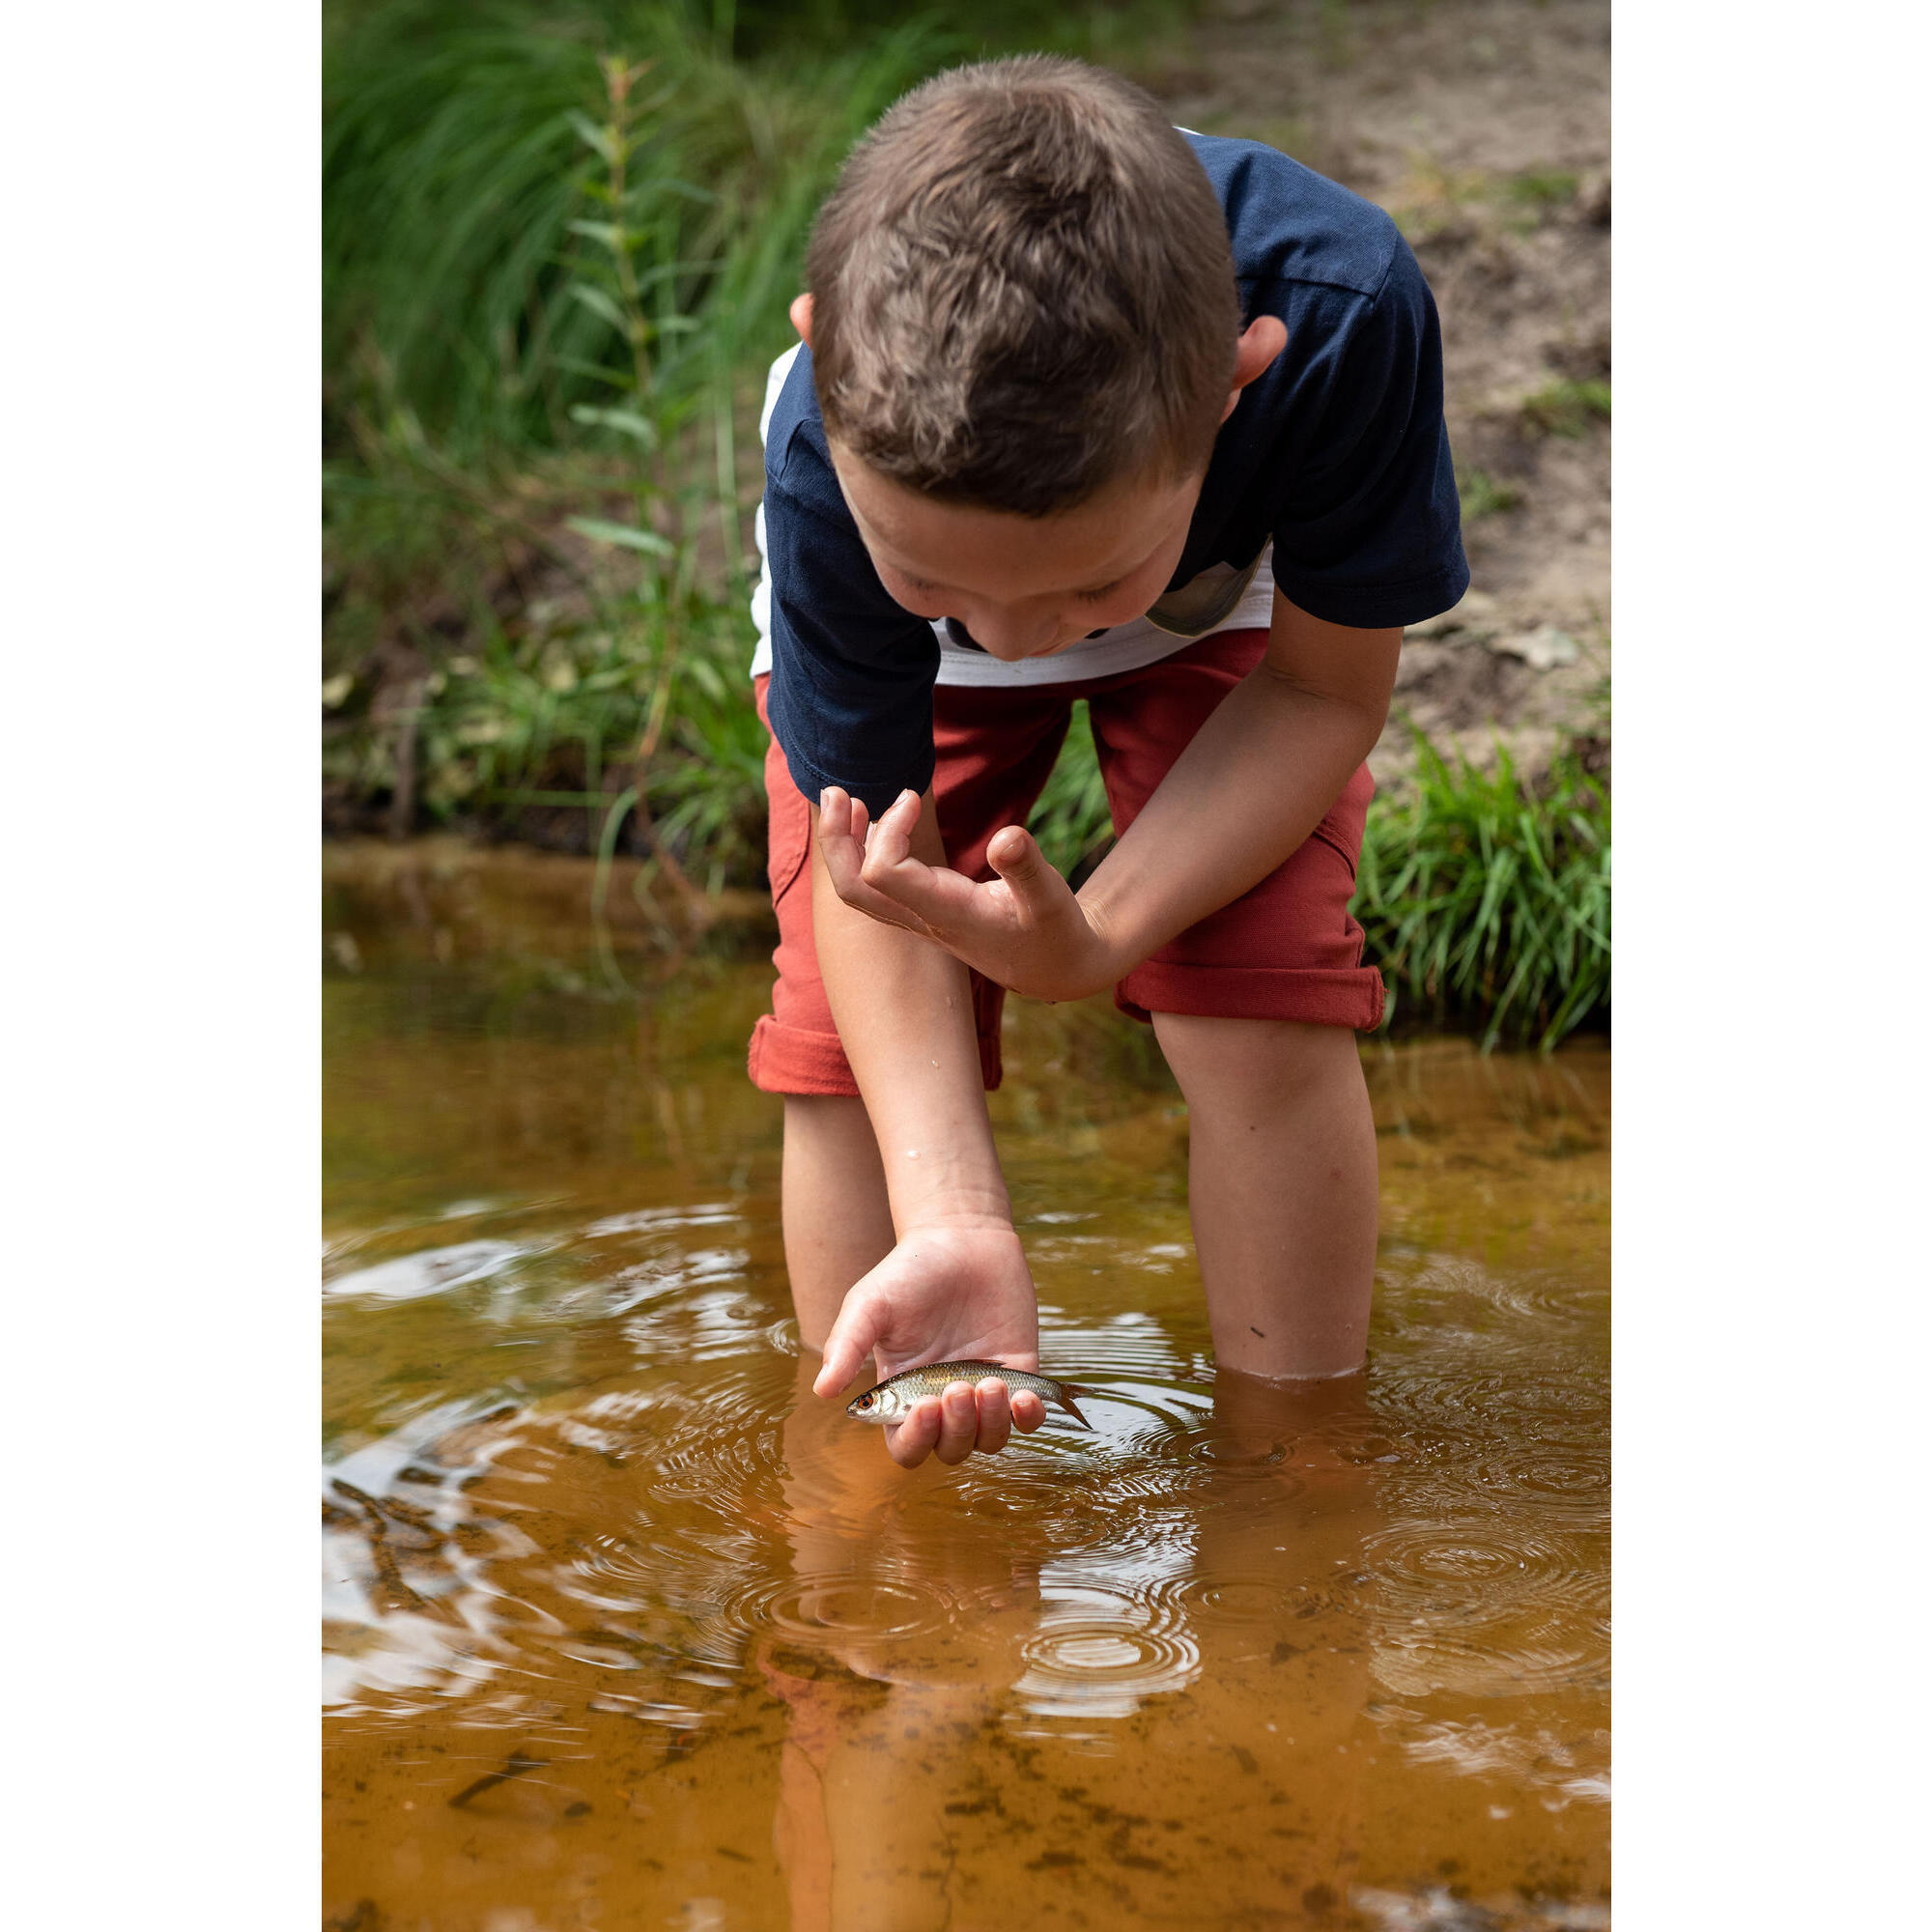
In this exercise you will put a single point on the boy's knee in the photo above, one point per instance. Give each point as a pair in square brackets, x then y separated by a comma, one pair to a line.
[1255, 1062]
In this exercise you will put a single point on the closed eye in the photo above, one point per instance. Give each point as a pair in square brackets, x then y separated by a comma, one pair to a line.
[1095, 596]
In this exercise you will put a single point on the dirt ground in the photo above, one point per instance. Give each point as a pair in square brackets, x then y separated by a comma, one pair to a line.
[1483, 127]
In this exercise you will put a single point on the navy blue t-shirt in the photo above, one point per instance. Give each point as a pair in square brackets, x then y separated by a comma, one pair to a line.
[1337, 451]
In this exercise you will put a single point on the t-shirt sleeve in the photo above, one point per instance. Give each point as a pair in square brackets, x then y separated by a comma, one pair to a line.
[1370, 534]
[850, 698]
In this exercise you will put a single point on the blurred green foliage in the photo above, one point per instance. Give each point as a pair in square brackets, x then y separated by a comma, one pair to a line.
[1481, 494]
[1566, 407]
[455, 167]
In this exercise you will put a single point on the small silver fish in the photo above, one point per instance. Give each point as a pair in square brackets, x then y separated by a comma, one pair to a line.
[892, 1399]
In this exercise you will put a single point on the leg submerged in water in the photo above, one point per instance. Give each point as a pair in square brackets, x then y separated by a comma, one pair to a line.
[1282, 1185]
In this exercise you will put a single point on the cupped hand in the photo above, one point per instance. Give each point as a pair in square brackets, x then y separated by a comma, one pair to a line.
[948, 1292]
[1025, 929]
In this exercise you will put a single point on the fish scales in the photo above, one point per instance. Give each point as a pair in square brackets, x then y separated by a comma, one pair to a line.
[892, 1400]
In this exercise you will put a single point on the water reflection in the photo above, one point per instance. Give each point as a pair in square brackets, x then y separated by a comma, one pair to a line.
[938, 1632]
[624, 1626]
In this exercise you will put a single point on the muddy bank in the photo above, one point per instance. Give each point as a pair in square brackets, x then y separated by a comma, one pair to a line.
[1483, 127]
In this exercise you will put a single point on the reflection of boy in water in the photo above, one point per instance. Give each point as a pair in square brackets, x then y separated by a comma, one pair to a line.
[893, 1651]
[919, 1787]
[1087, 407]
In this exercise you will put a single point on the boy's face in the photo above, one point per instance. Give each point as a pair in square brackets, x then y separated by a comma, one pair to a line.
[1028, 586]
[1023, 587]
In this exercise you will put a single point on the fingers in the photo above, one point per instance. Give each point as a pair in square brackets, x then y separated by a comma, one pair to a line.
[853, 1337]
[838, 836]
[962, 1420]
[847, 839]
[891, 839]
[995, 1415]
[889, 866]
[911, 1442]
[1029, 1412]
[1036, 888]
[958, 1423]
[875, 871]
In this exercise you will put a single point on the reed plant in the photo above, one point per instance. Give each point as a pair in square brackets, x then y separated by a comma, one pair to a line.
[452, 145]
[1486, 897]
[453, 175]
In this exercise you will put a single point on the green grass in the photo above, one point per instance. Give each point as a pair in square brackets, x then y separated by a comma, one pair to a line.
[1487, 899]
[455, 166]
[1071, 819]
[573, 712]
[559, 239]
[1566, 407]
[1482, 496]
[1542, 188]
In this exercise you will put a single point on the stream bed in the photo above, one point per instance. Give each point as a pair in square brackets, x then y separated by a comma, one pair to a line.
[624, 1628]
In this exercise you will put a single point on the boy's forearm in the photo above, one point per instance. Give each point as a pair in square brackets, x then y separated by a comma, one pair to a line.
[1251, 785]
[1254, 783]
[904, 1013]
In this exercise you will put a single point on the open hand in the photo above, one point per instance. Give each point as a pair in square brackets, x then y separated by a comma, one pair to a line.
[947, 1293]
[1025, 931]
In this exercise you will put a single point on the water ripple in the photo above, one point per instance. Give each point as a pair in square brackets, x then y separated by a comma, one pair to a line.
[809, 1607]
[1100, 1653]
[432, 1271]
[1497, 1603]
[1486, 1584]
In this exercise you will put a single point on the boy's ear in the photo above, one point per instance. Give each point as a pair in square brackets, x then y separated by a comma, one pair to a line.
[1261, 341]
[801, 320]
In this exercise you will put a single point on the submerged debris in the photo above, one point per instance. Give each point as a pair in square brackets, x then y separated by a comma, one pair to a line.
[514, 1766]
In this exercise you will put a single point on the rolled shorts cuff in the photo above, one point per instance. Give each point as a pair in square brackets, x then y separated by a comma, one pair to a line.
[789, 1060]
[1341, 996]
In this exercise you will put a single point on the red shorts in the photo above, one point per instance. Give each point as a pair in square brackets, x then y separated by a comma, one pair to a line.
[1287, 949]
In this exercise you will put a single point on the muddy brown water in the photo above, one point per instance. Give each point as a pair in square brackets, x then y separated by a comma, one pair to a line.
[623, 1629]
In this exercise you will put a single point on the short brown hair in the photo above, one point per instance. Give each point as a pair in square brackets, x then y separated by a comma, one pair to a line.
[1022, 289]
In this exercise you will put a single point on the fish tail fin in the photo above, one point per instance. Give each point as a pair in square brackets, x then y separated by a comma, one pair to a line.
[1067, 1391]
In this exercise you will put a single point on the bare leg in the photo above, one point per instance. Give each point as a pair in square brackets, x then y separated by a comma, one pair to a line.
[1282, 1185]
[837, 1222]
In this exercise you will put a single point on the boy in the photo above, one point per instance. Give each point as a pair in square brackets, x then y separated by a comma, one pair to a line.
[1085, 405]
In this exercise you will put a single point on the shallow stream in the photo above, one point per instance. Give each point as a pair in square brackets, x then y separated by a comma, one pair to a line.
[624, 1628]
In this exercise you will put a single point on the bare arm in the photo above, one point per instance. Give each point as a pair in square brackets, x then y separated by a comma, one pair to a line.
[905, 1020]
[957, 1285]
[1253, 783]
[1256, 779]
